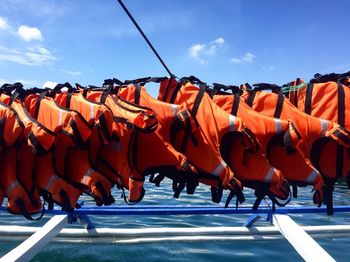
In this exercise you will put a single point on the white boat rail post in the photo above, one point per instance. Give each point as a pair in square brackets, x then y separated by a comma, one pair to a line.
[33, 245]
[86, 222]
[305, 245]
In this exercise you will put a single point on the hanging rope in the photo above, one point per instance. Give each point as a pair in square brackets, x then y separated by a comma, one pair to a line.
[146, 39]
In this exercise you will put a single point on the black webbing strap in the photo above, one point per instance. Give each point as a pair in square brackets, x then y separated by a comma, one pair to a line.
[342, 134]
[198, 100]
[178, 186]
[328, 197]
[39, 149]
[66, 203]
[235, 105]
[287, 140]
[37, 105]
[341, 105]
[295, 191]
[103, 127]
[106, 199]
[341, 122]
[2, 129]
[176, 90]
[68, 100]
[251, 98]
[216, 193]
[279, 105]
[156, 180]
[308, 98]
[167, 90]
[137, 94]
[235, 190]
[105, 94]
[20, 204]
[260, 193]
[78, 140]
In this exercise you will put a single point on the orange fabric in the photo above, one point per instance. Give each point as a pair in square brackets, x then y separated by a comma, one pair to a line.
[309, 128]
[14, 191]
[40, 138]
[47, 179]
[81, 164]
[293, 166]
[155, 151]
[206, 155]
[114, 158]
[11, 127]
[325, 101]
[71, 130]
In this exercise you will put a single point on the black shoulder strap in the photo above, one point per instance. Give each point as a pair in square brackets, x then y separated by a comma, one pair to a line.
[279, 105]
[37, 105]
[198, 100]
[251, 98]
[341, 105]
[341, 122]
[69, 98]
[308, 98]
[174, 94]
[137, 94]
[235, 105]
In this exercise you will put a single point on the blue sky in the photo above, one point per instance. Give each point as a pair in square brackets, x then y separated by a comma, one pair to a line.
[223, 41]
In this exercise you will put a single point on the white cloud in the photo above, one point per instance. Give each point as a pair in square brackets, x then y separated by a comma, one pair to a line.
[3, 24]
[36, 55]
[200, 50]
[196, 50]
[219, 41]
[29, 33]
[269, 68]
[23, 81]
[49, 84]
[73, 73]
[236, 60]
[39, 55]
[248, 58]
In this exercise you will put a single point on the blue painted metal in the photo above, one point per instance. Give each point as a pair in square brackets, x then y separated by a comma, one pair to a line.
[190, 210]
[251, 220]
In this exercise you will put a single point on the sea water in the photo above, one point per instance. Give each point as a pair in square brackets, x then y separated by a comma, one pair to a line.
[272, 250]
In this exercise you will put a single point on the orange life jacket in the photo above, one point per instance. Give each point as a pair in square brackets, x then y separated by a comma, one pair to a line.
[99, 118]
[71, 130]
[211, 126]
[328, 100]
[116, 157]
[310, 133]
[20, 199]
[269, 134]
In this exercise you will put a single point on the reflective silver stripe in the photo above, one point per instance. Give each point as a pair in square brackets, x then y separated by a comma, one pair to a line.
[12, 186]
[278, 125]
[312, 176]
[25, 120]
[175, 109]
[51, 180]
[231, 122]
[324, 126]
[217, 171]
[92, 113]
[88, 174]
[60, 117]
[269, 174]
